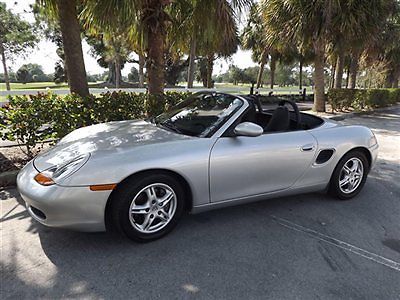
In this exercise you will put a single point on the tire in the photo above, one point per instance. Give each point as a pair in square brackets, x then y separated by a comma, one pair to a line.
[346, 182]
[144, 198]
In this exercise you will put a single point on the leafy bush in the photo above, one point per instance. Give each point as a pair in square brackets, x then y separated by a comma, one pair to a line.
[394, 96]
[377, 98]
[341, 99]
[24, 120]
[29, 120]
[156, 104]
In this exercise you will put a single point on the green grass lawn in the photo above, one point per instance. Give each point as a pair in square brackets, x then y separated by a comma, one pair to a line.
[226, 87]
[35, 86]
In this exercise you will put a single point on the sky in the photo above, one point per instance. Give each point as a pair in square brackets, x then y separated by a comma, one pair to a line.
[45, 52]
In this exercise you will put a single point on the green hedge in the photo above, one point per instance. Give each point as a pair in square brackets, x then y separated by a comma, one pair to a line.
[341, 99]
[32, 119]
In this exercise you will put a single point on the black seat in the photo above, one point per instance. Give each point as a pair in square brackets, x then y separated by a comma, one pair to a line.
[280, 120]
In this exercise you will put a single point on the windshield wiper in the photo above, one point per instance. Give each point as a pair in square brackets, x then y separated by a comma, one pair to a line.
[171, 126]
[151, 120]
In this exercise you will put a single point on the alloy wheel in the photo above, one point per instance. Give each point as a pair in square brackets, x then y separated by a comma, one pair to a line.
[153, 208]
[351, 175]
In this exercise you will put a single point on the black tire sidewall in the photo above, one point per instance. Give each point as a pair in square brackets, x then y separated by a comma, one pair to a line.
[123, 200]
[334, 184]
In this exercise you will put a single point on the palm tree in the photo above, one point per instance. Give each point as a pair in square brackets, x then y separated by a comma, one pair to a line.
[202, 24]
[355, 25]
[146, 19]
[66, 13]
[385, 51]
[306, 22]
[252, 38]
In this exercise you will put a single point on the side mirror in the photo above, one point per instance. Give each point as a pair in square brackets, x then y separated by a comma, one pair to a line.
[248, 129]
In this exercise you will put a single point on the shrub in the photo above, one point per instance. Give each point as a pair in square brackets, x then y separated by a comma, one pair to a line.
[394, 96]
[26, 119]
[29, 120]
[377, 98]
[341, 99]
[156, 104]
[360, 99]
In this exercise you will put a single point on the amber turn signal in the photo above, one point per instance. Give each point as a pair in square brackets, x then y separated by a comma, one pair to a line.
[103, 187]
[43, 179]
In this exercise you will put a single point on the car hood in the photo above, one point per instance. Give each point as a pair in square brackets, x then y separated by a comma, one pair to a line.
[105, 137]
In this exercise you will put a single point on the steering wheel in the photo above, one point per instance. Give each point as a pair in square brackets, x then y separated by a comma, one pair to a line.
[295, 109]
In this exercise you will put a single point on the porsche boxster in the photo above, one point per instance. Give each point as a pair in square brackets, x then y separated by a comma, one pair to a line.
[211, 150]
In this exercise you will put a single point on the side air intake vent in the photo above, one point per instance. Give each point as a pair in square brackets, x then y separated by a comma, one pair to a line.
[324, 156]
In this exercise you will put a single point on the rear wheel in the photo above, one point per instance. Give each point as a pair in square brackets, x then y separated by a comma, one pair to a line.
[148, 208]
[349, 175]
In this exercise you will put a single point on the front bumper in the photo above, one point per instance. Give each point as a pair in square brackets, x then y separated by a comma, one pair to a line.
[73, 207]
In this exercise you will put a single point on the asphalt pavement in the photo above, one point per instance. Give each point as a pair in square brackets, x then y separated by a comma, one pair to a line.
[301, 247]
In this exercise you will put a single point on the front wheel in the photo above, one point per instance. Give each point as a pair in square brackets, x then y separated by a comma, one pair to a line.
[148, 208]
[349, 175]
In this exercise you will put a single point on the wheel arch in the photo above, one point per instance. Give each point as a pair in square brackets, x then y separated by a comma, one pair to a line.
[365, 151]
[185, 185]
[362, 149]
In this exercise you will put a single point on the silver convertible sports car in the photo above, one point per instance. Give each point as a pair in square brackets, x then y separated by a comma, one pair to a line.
[211, 150]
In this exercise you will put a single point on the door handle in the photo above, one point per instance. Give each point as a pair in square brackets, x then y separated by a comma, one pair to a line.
[308, 147]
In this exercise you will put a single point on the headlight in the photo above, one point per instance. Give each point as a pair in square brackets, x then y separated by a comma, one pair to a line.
[49, 176]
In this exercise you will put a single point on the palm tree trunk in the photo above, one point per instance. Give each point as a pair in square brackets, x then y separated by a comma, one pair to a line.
[264, 58]
[273, 68]
[111, 73]
[117, 73]
[210, 66]
[339, 70]
[3, 60]
[319, 93]
[353, 71]
[155, 60]
[192, 56]
[389, 79]
[395, 83]
[301, 75]
[332, 79]
[71, 36]
[141, 73]
[260, 74]
[347, 78]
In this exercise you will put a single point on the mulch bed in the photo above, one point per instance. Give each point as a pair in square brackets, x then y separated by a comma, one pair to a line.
[13, 158]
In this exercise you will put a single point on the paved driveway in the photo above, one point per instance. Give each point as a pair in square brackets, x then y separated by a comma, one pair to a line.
[302, 247]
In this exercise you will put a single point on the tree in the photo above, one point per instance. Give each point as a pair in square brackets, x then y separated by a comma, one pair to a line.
[23, 75]
[133, 76]
[66, 13]
[354, 25]
[252, 38]
[31, 72]
[145, 19]
[59, 74]
[306, 22]
[49, 26]
[16, 36]
[205, 37]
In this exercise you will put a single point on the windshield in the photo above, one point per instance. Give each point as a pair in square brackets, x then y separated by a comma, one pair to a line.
[200, 115]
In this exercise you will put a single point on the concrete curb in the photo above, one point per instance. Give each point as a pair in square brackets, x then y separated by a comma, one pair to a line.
[8, 178]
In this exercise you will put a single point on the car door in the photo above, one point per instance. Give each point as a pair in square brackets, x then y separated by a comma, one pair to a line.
[246, 166]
